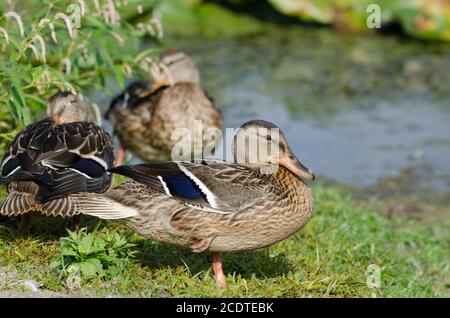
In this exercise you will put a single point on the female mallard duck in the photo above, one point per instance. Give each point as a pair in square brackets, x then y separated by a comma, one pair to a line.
[61, 154]
[216, 205]
[146, 114]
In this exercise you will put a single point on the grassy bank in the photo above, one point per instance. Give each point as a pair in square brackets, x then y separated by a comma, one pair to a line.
[328, 258]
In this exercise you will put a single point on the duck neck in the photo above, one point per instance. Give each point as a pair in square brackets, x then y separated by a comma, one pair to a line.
[294, 186]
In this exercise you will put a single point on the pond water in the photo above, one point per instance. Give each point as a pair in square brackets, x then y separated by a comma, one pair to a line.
[355, 109]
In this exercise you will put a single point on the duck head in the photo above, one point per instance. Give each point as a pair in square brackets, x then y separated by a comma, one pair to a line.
[174, 66]
[65, 107]
[129, 97]
[261, 144]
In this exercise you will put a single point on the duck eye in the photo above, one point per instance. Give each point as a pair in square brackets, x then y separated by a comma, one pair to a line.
[269, 137]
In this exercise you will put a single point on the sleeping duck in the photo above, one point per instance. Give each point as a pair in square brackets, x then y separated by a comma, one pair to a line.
[215, 206]
[146, 114]
[62, 154]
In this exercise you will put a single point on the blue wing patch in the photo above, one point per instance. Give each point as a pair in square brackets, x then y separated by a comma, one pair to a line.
[89, 167]
[181, 185]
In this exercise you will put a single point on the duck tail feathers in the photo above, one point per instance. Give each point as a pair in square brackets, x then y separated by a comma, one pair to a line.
[17, 203]
[100, 206]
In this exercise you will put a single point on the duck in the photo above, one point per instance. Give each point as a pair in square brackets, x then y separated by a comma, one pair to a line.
[64, 153]
[147, 114]
[257, 200]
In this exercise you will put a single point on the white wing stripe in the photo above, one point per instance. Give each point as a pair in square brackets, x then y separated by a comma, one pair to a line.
[48, 165]
[4, 162]
[17, 168]
[79, 172]
[99, 161]
[166, 189]
[210, 197]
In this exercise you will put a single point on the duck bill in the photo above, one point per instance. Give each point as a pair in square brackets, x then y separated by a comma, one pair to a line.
[57, 119]
[153, 88]
[290, 162]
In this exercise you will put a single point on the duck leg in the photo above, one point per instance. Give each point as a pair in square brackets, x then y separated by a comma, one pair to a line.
[217, 269]
[203, 245]
[120, 156]
[25, 221]
[76, 221]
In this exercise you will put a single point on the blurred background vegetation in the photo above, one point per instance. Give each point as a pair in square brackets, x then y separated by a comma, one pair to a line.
[421, 19]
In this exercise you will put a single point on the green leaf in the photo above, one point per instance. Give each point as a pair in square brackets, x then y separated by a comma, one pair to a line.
[13, 109]
[69, 252]
[87, 270]
[115, 68]
[91, 268]
[147, 52]
[85, 245]
[17, 94]
[11, 70]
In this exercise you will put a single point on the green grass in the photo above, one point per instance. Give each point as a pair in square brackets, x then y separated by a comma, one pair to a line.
[328, 258]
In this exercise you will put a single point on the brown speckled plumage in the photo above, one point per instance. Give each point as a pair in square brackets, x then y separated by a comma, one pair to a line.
[146, 115]
[146, 128]
[284, 207]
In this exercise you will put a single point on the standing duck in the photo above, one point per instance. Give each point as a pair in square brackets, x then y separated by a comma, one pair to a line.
[62, 154]
[146, 115]
[217, 206]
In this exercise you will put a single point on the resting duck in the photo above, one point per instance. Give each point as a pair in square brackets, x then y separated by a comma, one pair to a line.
[61, 154]
[216, 206]
[146, 114]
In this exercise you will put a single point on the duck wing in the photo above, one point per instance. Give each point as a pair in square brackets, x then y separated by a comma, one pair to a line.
[214, 186]
[63, 159]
